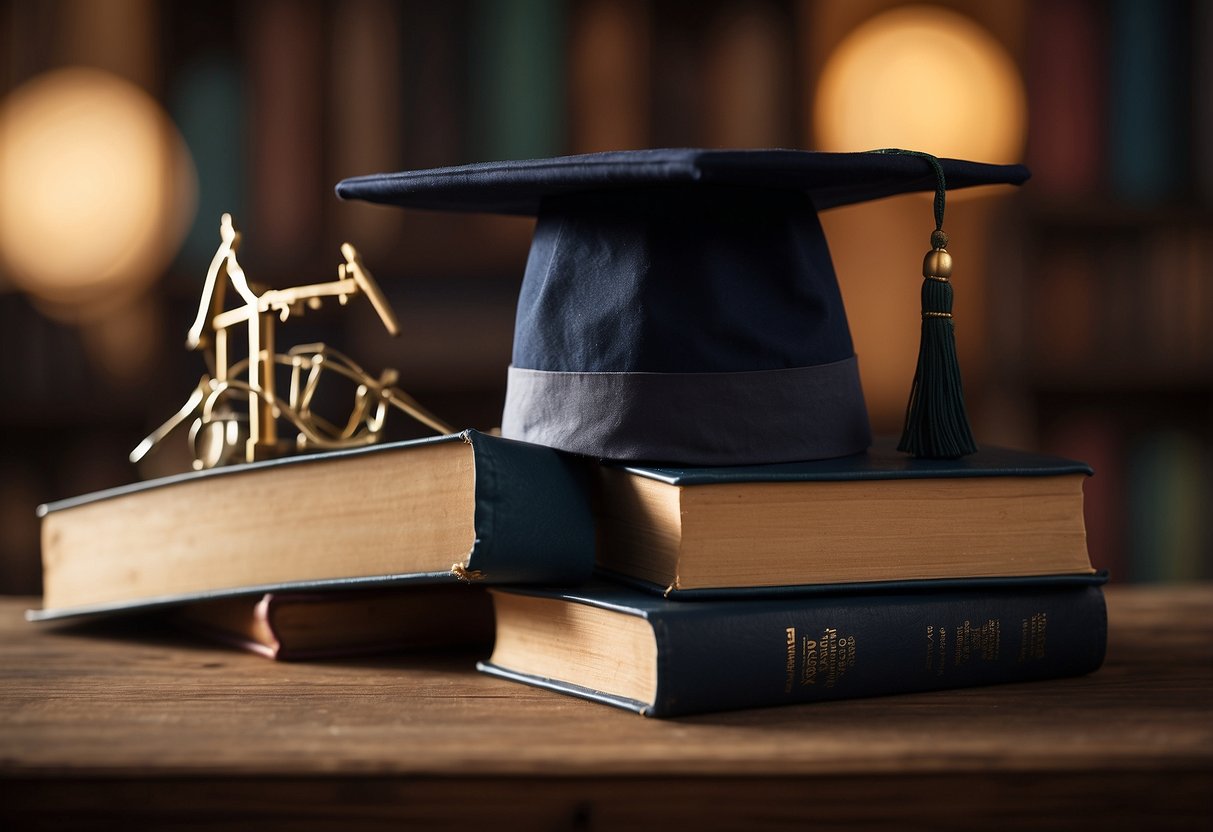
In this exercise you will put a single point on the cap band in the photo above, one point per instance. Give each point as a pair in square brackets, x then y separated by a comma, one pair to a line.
[745, 418]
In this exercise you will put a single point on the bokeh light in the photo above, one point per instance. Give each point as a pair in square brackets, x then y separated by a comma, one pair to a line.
[925, 78]
[96, 191]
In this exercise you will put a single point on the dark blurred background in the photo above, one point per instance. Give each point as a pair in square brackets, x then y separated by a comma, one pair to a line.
[1085, 301]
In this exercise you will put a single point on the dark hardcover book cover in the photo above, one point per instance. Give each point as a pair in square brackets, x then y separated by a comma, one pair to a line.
[531, 523]
[917, 586]
[724, 655]
[881, 462]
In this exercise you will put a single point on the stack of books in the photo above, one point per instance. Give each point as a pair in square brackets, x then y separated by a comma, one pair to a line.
[661, 590]
[764, 585]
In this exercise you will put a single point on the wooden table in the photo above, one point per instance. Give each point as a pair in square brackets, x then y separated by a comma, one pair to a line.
[112, 727]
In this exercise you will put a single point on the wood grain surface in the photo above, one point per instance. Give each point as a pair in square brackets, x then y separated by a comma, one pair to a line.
[122, 719]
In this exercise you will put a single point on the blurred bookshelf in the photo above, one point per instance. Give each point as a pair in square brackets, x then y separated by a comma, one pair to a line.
[1115, 293]
[1097, 296]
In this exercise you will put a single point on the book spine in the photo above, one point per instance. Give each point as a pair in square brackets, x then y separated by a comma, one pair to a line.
[364, 55]
[1202, 99]
[610, 53]
[533, 520]
[1167, 506]
[726, 656]
[747, 78]
[518, 75]
[1067, 78]
[1149, 92]
[209, 104]
[285, 68]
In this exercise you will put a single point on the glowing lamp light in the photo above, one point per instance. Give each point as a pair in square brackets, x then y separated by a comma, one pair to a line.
[925, 78]
[97, 190]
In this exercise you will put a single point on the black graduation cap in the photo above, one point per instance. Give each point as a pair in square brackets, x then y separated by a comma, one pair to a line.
[680, 306]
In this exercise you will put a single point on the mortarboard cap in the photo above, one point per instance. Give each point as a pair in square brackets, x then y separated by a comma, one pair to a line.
[681, 306]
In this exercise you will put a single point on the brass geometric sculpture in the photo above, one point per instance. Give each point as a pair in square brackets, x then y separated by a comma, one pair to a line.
[223, 431]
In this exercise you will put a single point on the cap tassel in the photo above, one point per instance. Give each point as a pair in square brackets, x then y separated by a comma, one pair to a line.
[937, 426]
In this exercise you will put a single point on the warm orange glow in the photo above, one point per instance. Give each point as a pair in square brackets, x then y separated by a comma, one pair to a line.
[924, 78]
[96, 189]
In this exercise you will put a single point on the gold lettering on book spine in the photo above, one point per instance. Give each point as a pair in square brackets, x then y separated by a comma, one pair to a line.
[789, 640]
[808, 672]
[977, 642]
[970, 642]
[1032, 633]
[823, 658]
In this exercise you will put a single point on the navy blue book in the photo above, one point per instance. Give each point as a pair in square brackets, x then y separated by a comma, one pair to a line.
[664, 658]
[879, 517]
[467, 507]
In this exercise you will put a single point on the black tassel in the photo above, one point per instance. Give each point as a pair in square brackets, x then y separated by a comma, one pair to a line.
[937, 426]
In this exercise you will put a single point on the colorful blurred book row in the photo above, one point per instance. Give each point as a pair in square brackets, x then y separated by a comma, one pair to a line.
[1121, 98]
[1121, 305]
[1116, 329]
[1147, 505]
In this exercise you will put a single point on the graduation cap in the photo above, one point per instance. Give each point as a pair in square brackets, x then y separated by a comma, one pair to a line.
[680, 306]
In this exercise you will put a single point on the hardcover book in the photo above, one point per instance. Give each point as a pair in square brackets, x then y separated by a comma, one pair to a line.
[300, 626]
[468, 507]
[877, 517]
[665, 658]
